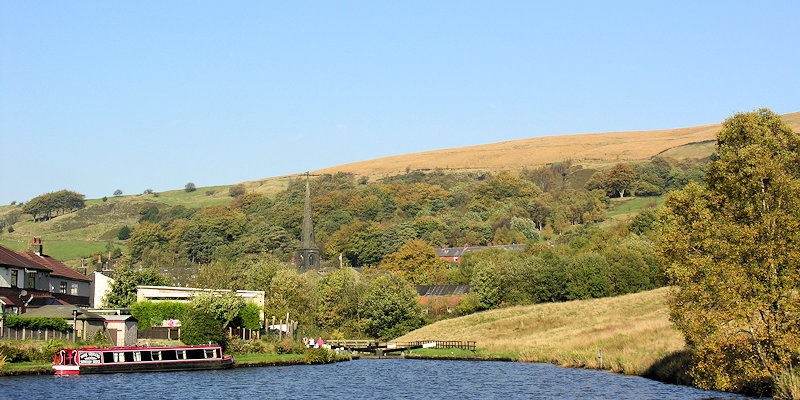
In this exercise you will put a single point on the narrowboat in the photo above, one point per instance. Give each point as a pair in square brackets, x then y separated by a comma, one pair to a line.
[108, 360]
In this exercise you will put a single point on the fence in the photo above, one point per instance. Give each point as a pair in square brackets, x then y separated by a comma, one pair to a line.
[174, 333]
[442, 344]
[36, 334]
[160, 333]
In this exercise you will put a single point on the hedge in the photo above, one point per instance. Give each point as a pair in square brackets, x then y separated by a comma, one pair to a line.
[150, 314]
[57, 324]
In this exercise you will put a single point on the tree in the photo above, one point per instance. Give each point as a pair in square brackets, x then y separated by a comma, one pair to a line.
[237, 190]
[338, 299]
[189, 187]
[417, 263]
[145, 236]
[118, 192]
[123, 289]
[485, 285]
[621, 178]
[124, 233]
[731, 247]
[389, 308]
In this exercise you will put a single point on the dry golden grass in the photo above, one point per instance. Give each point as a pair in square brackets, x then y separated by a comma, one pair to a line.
[633, 332]
[586, 149]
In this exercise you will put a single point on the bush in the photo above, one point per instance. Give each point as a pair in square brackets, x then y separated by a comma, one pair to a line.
[57, 324]
[190, 187]
[240, 346]
[150, 314]
[787, 386]
[200, 327]
[237, 190]
[319, 356]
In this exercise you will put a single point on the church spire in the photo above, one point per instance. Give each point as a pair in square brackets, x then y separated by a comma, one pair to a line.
[308, 253]
[307, 241]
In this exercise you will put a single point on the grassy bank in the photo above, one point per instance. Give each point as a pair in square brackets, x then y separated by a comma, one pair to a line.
[633, 332]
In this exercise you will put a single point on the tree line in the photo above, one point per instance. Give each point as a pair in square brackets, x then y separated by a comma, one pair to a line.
[48, 205]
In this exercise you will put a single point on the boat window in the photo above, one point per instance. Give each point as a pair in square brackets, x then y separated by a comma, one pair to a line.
[211, 353]
[168, 355]
[155, 355]
[108, 357]
[128, 356]
[145, 356]
[195, 354]
[137, 356]
[181, 354]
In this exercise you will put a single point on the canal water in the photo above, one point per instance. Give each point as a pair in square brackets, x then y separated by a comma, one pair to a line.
[359, 379]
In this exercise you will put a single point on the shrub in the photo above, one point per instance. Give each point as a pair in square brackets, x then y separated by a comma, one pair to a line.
[319, 356]
[58, 324]
[240, 346]
[150, 314]
[201, 327]
[237, 190]
[787, 386]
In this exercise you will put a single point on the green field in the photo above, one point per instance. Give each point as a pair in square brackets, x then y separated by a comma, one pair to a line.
[62, 250]
[632, 205]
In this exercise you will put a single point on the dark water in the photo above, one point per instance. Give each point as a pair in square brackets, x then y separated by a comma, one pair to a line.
[360, 379]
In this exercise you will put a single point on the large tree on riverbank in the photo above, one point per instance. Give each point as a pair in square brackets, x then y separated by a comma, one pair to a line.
[732, 248]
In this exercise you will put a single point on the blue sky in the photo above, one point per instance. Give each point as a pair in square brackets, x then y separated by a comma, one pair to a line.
[98, 95]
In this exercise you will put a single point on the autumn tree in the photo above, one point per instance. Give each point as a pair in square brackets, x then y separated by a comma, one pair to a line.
[621, 178]
[732, 248]
[338, 299]
[417, 263]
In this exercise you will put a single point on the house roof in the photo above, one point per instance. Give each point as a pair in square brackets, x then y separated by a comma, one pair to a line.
[459, 251]
[441, 290]
[60, 311]
[15, 259]
[33, 261]
[56, 267]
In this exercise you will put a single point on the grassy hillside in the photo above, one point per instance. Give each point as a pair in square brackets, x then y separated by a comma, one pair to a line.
[586, 149]
[81, 233]
[633, 332]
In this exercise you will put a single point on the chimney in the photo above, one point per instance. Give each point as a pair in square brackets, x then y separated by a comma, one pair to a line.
[36, 243]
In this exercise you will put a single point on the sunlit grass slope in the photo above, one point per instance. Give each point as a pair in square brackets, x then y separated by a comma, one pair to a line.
[586, 149]
[633, 332]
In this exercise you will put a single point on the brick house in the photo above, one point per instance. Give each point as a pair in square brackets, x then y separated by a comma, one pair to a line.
[33, 279]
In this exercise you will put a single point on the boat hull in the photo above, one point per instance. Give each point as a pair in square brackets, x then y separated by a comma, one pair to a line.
[145, 367]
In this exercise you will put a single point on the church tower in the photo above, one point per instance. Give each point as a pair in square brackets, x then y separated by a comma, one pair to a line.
[308, 253]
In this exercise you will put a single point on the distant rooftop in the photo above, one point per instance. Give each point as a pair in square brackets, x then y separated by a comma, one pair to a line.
[459, 251]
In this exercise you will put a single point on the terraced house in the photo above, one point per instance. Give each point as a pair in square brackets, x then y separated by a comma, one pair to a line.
[33, 279]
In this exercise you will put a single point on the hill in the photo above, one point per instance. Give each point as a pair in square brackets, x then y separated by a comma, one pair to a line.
[595, 149]
[83, 232]
[633, 332]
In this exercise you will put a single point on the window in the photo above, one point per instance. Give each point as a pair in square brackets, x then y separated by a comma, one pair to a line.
[31, 280]
[74, 289]
[63, 287]
[14, 278]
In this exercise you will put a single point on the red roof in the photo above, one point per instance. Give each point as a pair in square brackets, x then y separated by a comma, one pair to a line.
[11, 257]
[56, 267]
[33, 261]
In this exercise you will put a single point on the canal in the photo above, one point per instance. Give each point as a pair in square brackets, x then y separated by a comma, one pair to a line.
[363, 379]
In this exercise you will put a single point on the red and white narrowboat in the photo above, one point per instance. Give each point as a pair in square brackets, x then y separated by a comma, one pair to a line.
[108, 360]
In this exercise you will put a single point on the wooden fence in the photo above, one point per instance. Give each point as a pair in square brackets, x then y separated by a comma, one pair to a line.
[160, 333]
[36, 334]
